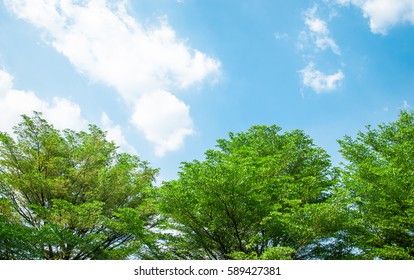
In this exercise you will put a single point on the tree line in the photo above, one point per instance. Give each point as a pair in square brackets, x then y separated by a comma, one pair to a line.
[260, 194]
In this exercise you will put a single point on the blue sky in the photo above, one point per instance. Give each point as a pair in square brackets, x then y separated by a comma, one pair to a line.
[167, 78]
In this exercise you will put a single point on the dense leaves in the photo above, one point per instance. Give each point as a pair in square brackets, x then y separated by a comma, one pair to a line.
[379, 180]
[262, 194]
[70, 194]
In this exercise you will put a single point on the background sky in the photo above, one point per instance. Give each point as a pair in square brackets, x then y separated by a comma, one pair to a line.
[167, 78]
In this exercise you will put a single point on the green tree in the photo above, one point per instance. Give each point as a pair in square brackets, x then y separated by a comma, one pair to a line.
[71, 195]
[379, 186]
[260, 195]
[16, 241]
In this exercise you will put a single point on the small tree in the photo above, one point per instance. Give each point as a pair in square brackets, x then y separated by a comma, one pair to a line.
[379, 184]
[70, 195]
[261, 194]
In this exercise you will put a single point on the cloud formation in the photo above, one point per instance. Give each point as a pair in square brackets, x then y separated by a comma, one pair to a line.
[317, 35]
[114, 133]
[384, 14]
[321, 82]
[318, 32]
[166, 126]
[61, 112]
[105, 43]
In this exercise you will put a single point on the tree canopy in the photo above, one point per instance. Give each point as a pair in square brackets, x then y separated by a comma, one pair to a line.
[260, 194]
[71, 195]
[379, 180]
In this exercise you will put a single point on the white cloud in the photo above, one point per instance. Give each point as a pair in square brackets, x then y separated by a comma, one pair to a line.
[326, 42]
[317, 36]
[318, 81]
[315, 24]
[167, 125]
[384, 14]
[108, 45]
[318, 32]
[114, 133]
[6, 82]
[62, 113]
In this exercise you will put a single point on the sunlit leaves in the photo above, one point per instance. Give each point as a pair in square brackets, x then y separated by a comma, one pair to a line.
[74, 192]
[240, 200]
[380, 181]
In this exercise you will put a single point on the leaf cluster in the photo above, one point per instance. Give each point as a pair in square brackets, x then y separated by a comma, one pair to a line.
[72, 194]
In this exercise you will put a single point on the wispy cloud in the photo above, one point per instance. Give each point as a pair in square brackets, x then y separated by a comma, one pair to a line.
[108, 45]
[318, 31]
[320, 82]
[281, 36]
[406, 105]
[384, 14]
[317, 38]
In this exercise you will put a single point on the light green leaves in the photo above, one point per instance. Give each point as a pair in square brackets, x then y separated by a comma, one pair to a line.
[78, 195]
[240, 200]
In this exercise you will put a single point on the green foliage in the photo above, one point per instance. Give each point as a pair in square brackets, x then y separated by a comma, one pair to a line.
[16, 241]
[379, 180]
[273, 253]
[261, 195]
[71, 194]
[261, 190]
